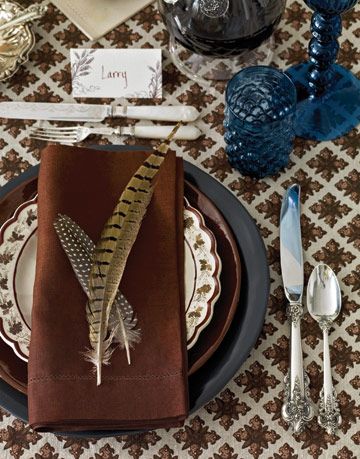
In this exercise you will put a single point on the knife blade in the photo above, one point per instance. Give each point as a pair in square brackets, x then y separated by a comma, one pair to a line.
[291, 257]
[297, 409]
[96, 112]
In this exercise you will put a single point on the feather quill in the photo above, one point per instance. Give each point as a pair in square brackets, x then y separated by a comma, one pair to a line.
[112, 251]
[80, 249]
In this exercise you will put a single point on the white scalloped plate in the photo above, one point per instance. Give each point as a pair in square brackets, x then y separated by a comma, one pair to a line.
[18, 243]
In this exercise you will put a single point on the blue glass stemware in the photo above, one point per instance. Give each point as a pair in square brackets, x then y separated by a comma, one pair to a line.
[328, 94]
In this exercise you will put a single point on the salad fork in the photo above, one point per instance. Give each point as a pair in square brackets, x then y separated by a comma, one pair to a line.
[75, 134]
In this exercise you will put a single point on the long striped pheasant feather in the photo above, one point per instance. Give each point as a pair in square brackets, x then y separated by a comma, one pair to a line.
[112, 251]
[80, 249]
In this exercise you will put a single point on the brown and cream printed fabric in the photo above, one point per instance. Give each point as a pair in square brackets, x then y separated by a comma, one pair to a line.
[243, 421]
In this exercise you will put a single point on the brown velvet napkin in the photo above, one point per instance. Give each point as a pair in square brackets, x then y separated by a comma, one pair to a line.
[151, 392]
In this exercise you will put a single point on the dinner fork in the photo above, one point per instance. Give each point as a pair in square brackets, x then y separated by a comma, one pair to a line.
[76, 134]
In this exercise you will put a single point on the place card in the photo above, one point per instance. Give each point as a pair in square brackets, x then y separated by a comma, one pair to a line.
[129, 73]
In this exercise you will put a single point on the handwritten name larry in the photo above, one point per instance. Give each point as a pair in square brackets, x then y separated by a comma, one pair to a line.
[114, 74]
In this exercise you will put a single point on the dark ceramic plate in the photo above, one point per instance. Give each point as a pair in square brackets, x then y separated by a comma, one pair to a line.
[247, 322]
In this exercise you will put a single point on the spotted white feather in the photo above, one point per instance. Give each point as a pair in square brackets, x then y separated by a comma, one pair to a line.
[79, 249]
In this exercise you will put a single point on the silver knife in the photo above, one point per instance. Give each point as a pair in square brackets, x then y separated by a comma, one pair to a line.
[297, 409]
[96, 112]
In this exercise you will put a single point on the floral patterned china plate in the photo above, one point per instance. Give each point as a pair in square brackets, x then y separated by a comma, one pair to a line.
[18, 242]
[202, 273]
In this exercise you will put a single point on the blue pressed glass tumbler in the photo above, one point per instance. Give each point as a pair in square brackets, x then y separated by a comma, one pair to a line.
[259, 120]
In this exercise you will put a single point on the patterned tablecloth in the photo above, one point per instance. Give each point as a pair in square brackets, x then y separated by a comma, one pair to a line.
[244, 420]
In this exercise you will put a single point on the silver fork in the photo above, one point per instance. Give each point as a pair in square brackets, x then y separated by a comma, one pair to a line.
[76, 134]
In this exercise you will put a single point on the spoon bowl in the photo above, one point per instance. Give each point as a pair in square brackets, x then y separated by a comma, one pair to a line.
[323, 295]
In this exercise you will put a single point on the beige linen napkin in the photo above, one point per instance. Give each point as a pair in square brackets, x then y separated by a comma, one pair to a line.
[96, 18]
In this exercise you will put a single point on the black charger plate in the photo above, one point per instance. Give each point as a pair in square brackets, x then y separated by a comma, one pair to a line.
[205, 383]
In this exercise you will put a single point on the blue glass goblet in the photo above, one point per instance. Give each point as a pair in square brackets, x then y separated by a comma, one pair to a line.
[259, 120]
[328, 94]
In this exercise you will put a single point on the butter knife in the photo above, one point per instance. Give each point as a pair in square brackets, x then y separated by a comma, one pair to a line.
[96, 112]
[297, 409]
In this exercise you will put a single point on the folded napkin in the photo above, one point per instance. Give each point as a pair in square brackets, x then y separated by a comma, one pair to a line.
[95, 18]
[151, 392]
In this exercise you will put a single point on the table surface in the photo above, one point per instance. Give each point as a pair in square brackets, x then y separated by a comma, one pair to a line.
[244, 420]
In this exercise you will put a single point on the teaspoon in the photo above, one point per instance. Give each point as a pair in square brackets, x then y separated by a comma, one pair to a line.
[324, 304]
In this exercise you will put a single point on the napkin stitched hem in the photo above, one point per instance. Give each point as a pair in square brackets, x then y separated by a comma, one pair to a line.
[105, 378]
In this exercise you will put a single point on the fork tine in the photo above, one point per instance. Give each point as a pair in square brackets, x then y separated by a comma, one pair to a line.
[54, 134]
[53, 129]
[55, 141]
[51, 138]
[58, 128]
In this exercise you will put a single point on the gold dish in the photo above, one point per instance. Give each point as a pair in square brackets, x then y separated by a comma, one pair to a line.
[16, 42]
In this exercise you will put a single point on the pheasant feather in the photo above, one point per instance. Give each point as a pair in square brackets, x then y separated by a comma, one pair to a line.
[80, 249]
[112, 251]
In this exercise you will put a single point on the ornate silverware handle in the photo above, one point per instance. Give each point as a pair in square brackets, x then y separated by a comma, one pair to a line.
[297, 409]
[329, 412]
[29, 14]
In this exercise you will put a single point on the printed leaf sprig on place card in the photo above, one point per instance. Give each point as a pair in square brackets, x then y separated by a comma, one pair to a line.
[109, 258]
[155, 85]
[81, 67]
[80, 249]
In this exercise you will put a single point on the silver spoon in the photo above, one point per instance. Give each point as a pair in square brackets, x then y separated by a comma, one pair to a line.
[324, 304]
